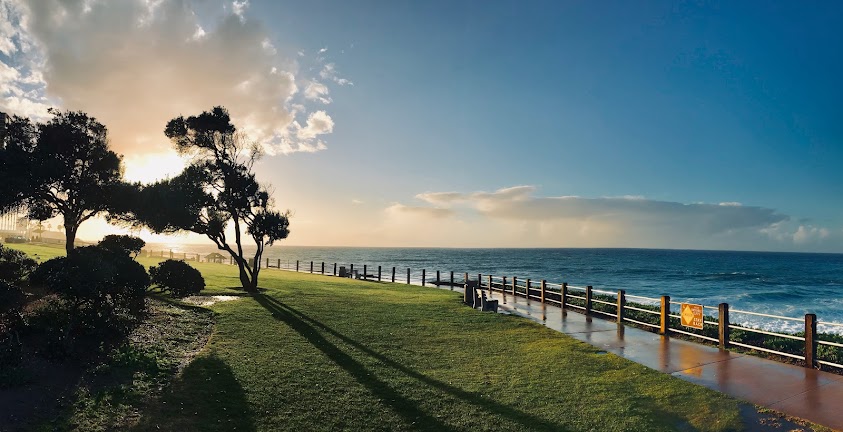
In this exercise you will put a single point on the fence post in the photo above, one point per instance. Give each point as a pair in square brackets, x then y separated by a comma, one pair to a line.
[297, 265]
[480, 282]
[267, 263]
[393, 275]
[408, 276]
[452, 280]
[514, 286]
[335, 269]
[544, 287]
[437, 279]
[423, 276]
[279, 263]
[664, 327]
[564, 295]
[527, 292]
[365, 270]
[311, 266]
[490, 285]
[621, 305]
[503, 288]
[323, 267]
[588, 300]
[379, 273]
[351, 269]
[810, 340]
[723, 324]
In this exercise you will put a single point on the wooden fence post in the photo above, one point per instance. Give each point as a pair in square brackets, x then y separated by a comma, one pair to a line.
[490, 285]
[365, 270]
[564, 301]
[723, 324]
[452, 280]
[351, 269]
[423, 276]
[408, 276]
[810, 340]
[480, 282]
[379, 273]
[621, 305]
[664, 327]
[514, 287]
[544, 287]
[393, 275]
[588, 300]
[311, 266]
[267, 263]
[437, 279]
[503, 288]
[335, 269]
[279, 263]
[323, 267]
[527, 292]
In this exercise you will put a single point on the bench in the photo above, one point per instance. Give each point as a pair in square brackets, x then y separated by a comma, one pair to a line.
[488, 305]
[470, 296]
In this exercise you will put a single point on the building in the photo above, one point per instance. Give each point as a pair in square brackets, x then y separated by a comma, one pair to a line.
[14, 223]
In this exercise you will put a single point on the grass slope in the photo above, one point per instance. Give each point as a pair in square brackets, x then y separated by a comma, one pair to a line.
[320, 353]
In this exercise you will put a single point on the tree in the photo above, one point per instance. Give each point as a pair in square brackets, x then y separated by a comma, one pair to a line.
[61, 167]
[217, 190]
[125, 244]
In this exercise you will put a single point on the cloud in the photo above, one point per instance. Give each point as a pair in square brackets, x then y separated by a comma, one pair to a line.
[426, 212]
[318, 123]
[317, 91]
[136, 64]
[530, 219]
[329, 72]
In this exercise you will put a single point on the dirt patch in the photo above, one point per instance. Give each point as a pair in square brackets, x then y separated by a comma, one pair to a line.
[209, 300]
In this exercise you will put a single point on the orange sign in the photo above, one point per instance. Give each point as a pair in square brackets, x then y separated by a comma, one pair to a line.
[692, 315]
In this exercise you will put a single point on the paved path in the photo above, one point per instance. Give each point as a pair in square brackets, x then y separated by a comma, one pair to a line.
[797, 391]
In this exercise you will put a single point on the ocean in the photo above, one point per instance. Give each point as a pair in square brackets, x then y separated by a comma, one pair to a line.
[787, 284]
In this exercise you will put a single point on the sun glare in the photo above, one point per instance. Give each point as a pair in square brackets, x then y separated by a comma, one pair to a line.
[151, 167]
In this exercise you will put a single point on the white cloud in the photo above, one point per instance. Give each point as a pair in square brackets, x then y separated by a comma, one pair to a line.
[809, 234]
[425, 212]
[318, 123]
[135, 64]
[317, 91]
[323, 50]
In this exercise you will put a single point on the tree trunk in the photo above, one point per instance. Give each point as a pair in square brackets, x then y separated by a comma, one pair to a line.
[69, 236]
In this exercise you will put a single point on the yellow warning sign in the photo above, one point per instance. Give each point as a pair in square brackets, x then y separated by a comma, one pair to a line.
[692, 315]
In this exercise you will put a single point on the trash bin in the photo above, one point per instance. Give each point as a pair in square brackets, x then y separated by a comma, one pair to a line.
[343, 272]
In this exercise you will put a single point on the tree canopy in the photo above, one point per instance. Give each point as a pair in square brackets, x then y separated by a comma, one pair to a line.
[61, 167]
[217, 191]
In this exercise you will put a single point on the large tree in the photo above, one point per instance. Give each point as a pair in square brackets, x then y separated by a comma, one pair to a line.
[61, 167]
[217, 191]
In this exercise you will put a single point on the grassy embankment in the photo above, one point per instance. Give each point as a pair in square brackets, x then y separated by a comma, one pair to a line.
[321, 353]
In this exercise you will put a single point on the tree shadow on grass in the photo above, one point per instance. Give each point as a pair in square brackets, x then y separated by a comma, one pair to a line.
[206, 397]
[406, 408]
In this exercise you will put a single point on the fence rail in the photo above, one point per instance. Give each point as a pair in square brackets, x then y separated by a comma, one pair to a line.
[652, 314]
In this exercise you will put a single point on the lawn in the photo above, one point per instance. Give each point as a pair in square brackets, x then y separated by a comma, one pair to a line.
[321, 353]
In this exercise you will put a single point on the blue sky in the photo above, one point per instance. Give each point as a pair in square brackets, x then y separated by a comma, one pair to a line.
[611, 124]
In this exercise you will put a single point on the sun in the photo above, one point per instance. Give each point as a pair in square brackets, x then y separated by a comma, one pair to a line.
[147, 168]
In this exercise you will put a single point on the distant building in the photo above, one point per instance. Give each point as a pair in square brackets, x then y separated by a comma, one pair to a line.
[4, 121]
[14, 223]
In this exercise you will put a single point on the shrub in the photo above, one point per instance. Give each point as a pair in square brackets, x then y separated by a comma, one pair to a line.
[99, 296]
[177, 277]
[10, 296]
[15, 265]
[10, 345]
[122, 244]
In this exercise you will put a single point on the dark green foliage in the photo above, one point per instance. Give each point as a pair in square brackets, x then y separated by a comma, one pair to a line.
[61, 167]
[15, 265]
[10, 296]
[122, 244]
[216, 191]
[98, 297]
[177, 277]
[10, 343]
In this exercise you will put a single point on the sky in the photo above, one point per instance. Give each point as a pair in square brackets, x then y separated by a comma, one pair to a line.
[693, 125]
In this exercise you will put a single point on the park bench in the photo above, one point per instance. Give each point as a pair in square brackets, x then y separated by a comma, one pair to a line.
[487, 305]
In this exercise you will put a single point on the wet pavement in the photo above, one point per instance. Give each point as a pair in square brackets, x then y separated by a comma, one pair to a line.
[793, 390]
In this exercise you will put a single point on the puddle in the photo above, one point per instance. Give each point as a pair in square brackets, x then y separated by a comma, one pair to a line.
[208, 300]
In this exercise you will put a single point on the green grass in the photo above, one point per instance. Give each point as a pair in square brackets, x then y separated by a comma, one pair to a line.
[321, 353]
